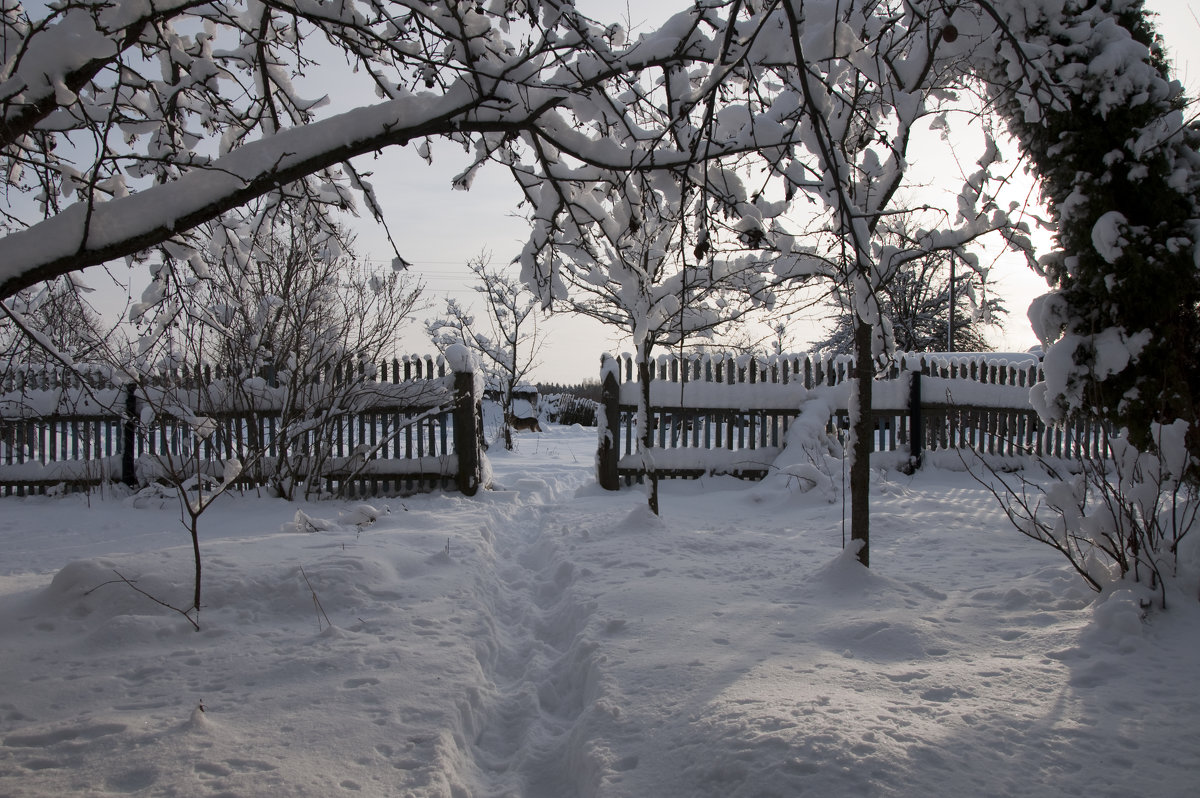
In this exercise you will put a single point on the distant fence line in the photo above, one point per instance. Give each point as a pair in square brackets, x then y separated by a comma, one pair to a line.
[400, 426]
[721, 414]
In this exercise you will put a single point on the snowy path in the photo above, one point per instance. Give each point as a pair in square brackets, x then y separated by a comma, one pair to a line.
[549, 640]
[539, 665]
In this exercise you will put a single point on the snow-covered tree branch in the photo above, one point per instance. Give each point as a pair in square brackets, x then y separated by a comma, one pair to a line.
[162, 116]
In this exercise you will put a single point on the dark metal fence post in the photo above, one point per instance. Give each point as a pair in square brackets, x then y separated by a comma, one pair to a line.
[128, 461]
[916, 435]
[467, 432]
[610, 431]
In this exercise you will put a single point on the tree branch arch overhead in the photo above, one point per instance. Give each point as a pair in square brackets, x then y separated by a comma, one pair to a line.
[472, 83]
[85, 234]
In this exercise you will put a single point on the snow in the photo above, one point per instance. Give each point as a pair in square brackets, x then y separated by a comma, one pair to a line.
[460, 358]
[713, 461]
[547, 638]
[1107, 237]
[1111, 351]
[715, 395]
[962, 391]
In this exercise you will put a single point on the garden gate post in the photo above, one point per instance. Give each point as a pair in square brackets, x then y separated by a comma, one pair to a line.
[467, 432]
[129, 437]
[610, 426]
[916, 435]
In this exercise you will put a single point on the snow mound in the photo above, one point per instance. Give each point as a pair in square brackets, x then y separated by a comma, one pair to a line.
[303, 522]
[811, 459]
[1118, 620]
[361, 515]
[93, 589]
[640, 519]
[845, 575]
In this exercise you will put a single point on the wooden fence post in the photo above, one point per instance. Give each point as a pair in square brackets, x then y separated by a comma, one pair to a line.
[916, 434]
[128, 462]
[467, 432]
[610, 408]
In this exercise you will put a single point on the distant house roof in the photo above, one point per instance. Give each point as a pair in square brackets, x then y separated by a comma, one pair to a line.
[521, 391]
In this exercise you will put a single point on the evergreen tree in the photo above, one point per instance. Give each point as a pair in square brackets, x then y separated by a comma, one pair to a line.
[1119, 169]
[917, 304]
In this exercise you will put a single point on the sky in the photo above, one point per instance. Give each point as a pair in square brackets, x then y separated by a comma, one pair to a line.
[439, 230]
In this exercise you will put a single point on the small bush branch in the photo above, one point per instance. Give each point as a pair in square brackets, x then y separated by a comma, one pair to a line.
[121, 578]
[1123, 514]
[316, 603]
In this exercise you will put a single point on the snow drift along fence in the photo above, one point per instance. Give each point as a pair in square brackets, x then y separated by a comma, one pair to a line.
[718, 414]
[402, 426]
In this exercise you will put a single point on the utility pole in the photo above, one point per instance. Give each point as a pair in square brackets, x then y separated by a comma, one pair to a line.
[950, 320]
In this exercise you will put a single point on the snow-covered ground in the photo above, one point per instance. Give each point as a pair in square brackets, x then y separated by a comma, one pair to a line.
[548, 640]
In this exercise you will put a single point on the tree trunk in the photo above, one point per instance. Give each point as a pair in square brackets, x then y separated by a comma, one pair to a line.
[608, 462]
[647, 435]
[195, 530]
[860, 471]
[507, 413]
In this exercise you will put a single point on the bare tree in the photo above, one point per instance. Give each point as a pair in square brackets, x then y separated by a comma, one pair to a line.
[928, 308]
[196, 480]
[508, 342]
[59, 313]
[295, 330]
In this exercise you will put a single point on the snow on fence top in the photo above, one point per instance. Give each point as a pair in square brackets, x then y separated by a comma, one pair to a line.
[21, 376]
[399, 426]
[721, 381]
[99, 391]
